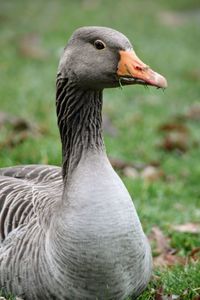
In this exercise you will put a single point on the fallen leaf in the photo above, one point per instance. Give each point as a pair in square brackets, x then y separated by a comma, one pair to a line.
[172, 126]
[168, 260]
[175, 141]
[91, 4]
[187, 228]
[17, 123]
[193, 75]
[131, 172]
[30, 47]
[178, 19]
[159, 295]
[162, 243]
[151, 173]
[165, 255]
[195, 254]
[193, 112]
[17, 130]
[120, 164]
[13, 140]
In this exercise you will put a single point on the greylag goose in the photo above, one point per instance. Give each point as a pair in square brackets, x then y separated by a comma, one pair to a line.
[73, 232]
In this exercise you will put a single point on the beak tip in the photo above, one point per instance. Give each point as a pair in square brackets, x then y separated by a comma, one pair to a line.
[160, 81]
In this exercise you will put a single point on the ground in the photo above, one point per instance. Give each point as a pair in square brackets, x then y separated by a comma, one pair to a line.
[152, 136]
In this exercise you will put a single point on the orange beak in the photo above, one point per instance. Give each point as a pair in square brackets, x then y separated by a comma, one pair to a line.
[132, 70]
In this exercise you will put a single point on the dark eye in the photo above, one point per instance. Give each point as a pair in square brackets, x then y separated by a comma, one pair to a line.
[99, 45]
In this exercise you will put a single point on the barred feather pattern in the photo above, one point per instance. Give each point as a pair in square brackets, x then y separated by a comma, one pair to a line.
[27, 197]
[79, 121]
[71, 232]
[30, 195]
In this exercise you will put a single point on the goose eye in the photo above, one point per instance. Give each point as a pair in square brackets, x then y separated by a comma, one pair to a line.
[99, 45]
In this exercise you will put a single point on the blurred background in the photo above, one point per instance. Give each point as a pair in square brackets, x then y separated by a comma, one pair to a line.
[152, 136]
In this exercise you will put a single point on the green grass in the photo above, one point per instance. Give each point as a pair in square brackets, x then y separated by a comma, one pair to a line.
[27, 88]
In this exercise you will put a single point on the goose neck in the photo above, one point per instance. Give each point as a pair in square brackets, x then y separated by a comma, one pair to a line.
[79, 114]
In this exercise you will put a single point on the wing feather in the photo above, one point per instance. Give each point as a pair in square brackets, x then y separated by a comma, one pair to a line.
[27, 192]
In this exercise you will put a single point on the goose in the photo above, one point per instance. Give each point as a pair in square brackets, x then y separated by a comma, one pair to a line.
[73, 233]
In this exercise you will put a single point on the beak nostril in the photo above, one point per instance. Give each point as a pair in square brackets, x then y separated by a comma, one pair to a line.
[141, 68]
[138, 68]
[132, 70]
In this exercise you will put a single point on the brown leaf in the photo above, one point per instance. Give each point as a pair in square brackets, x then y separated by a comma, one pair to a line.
[30, 47]
[167, 260]
[171, 19]
[131, 172]
[193, 112]
[159, 295]
[165, 254]
[193, 75]
[90, 4]
[187, 228]
[173, 126]
[151, 173]
[162, 243]
[194, 252]
[13, 140]
[17, 123]
[120, 164]
[179, 18]
[175, 141]
[17, 130]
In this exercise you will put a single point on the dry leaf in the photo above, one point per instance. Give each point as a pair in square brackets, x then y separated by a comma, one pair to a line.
[173, 126]
[171, 19]
[120, 164]
[162, 243]
[159, 295]
[177, 19]
[195, 254]
[175, 141]
[193, 112]
[131, 172]
[17, 130]
[151, 173]
[91, 4]
[12, 140]
[30, 46]
[166, 255]
[168, 260]
[193, 75]
[187, 228]
[18, 123]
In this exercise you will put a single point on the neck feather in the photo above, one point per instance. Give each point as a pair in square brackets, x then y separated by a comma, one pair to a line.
[79, 121]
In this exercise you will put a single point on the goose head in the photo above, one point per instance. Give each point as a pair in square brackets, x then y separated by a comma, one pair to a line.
[101, 57]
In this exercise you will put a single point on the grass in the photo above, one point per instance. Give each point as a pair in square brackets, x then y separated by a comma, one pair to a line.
[171, 46]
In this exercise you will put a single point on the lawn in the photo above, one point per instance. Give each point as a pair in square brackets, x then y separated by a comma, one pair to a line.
[154, 133]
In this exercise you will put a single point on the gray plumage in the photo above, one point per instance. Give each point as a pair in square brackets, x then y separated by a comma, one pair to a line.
[73, 233]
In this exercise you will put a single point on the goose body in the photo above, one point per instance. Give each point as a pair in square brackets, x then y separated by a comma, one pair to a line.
[73, 232]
